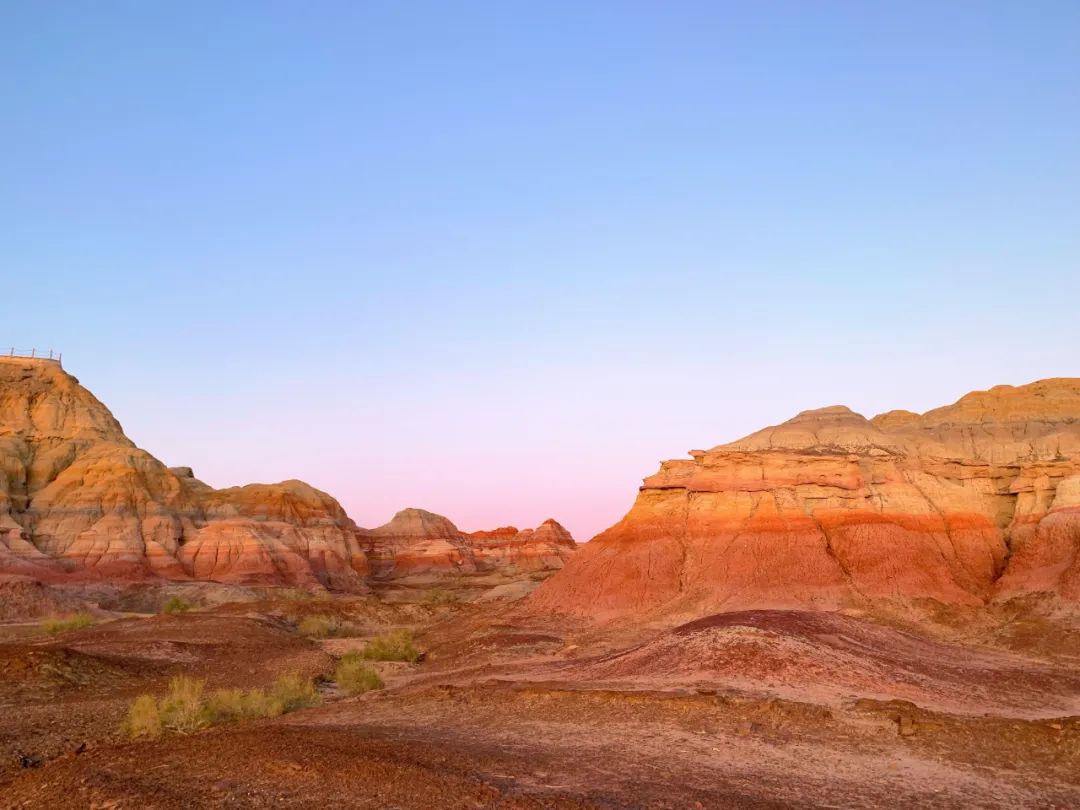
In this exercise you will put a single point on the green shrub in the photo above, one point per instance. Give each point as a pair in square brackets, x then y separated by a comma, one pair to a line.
[295, 692]
[395, 646]
[176, 604]
[62, 624]
[356, 677]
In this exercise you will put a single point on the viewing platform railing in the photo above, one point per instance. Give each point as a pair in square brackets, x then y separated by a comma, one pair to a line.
[34, 354]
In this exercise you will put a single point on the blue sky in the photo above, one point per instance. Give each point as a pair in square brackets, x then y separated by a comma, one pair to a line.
[498, 259]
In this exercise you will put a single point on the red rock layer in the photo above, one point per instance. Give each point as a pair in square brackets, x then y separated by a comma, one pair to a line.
[967, 503]
[417, 543]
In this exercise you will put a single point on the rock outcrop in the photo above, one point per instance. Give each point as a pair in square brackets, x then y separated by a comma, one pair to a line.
[79, 501]
[968, 503]
[416, 543]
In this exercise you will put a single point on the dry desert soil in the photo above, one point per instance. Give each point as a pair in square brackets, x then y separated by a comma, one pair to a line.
[759, 709]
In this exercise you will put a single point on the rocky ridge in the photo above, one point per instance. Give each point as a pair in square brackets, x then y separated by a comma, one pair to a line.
[79, 501]
[966, 504]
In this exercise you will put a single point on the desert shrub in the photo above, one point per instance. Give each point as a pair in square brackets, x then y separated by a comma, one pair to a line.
[395, 646]
[176, 604]
[441, 596]
[356, 677]
[295, 692]
[143, 719]
[62, 624]
[318, 626]
[323, 626]
[230, 705]
[183, 709]
[186, 707]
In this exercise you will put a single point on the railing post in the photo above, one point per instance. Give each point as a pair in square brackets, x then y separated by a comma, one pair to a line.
[33, 352]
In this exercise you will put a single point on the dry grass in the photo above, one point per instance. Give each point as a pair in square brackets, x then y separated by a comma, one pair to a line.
[324, 626]
[395, 646]
[356, 677]
[144, 719]
[187, 708]
[176, 604]
[441, 596]
[62, 624]
[295, 692]
[182, 708]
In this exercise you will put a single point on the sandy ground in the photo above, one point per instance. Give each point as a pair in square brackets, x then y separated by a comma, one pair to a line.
[767, 709]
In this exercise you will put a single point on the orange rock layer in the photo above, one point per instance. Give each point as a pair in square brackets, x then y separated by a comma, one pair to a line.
[965, 504]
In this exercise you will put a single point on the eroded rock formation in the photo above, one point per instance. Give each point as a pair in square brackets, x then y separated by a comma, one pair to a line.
[78, 501]
[968, 503]
[420, 543]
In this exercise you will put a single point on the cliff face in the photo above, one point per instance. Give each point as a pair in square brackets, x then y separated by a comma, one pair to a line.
[976, 501]
[78, 501]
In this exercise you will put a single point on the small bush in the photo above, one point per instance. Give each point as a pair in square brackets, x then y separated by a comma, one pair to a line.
[295, 692]
[395, 646]
[182, 709]
[356, 677]
[318, 626]
[187, 708]
[176, 604]
[62, 624]
[144, 720]
[230, 705]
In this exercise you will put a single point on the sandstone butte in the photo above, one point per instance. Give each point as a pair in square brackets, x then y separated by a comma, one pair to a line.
[80, 502]
[968, 504]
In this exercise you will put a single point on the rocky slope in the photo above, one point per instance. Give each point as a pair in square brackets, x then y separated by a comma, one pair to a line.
[969, 503]
[79, 501]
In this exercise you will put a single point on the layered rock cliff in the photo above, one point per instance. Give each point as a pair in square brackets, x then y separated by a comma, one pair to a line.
[968, 503]
[79, 501]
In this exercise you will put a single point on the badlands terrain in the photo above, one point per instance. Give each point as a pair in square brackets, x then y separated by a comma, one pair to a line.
[832, 612]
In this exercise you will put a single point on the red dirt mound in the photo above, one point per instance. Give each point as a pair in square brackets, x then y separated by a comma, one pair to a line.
[830, 658]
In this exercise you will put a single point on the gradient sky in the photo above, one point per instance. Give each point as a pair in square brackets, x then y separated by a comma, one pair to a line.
[499, 259]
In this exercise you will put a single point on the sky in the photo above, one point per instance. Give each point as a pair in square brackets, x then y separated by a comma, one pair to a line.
[497, 260]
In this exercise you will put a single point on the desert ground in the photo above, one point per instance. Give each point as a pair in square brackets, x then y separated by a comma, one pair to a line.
[753, 709]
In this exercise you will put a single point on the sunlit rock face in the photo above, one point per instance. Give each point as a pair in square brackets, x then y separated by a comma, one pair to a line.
[78, 500]
[969, 503]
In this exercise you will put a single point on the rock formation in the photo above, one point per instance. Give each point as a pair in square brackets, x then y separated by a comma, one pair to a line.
[968, 503]
[419, 543]
[79, 501]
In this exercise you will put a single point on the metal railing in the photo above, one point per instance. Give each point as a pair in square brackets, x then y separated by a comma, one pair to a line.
[35, 354]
